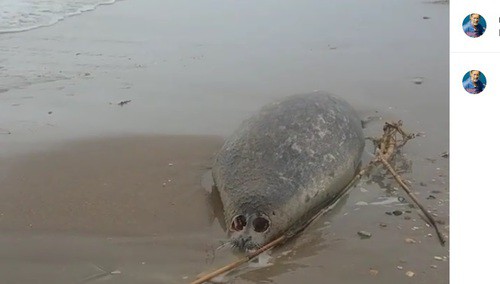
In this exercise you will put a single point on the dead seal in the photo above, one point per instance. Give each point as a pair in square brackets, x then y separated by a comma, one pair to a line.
[282, 165]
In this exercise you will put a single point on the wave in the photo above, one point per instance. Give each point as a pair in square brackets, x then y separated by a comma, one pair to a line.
[23, 15]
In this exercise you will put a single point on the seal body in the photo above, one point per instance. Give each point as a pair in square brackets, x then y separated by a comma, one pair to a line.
[282, 165]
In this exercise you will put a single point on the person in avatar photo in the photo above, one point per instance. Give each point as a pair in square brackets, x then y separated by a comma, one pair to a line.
[474, 82]
[474, 25]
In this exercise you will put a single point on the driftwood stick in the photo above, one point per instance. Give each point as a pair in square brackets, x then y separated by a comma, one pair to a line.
[240, 261]
[387, 145]
[386, 148]
[288, 234]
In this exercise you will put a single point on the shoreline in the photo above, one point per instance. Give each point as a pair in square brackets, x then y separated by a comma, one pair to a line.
[59, 19]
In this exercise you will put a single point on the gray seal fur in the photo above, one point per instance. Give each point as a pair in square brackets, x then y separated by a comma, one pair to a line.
[282, 165]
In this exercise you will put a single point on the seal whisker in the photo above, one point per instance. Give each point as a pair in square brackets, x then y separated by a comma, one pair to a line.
[224, 244]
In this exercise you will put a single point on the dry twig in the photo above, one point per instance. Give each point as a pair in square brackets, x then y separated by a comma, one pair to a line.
[240, 261]
[385, 153]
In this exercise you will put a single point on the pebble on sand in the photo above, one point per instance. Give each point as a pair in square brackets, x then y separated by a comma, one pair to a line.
[397, 212]
[418, 80]
[364, 234]
[410, 273]
[410, 241]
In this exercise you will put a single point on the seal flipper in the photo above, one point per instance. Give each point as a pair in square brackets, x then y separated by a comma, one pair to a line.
[217, 207]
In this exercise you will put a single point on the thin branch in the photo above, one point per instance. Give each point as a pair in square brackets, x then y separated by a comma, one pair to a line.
[239, 262]
[386, 148]
[414, 198]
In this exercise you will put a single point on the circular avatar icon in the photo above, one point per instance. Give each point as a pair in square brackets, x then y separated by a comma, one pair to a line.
[474, 25]
[474, 82]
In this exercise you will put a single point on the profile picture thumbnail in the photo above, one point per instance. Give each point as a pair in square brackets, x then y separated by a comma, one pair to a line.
[474, 25]
[474, 82]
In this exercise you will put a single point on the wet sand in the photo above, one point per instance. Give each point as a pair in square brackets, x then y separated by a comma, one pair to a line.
[123, 186]
[133, 204]
[92, 191]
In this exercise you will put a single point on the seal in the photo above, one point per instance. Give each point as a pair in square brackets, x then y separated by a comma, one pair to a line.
[282, 164]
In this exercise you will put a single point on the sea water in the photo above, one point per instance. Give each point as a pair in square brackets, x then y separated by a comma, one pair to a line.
[22, 15]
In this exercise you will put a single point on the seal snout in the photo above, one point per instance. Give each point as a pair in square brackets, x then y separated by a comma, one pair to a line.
[243, 243]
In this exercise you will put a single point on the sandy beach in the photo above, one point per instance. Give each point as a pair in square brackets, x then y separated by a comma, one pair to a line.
[109, 122]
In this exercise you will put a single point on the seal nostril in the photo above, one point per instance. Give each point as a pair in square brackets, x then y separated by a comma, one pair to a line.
[260, 224]
[239, 222]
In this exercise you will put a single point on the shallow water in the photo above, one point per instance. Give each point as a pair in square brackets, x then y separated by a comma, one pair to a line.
[23, 15]
[97, 192]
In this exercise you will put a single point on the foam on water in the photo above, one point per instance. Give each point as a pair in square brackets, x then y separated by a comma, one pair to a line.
[22, 15]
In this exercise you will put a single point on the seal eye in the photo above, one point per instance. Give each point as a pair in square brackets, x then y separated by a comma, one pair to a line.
[239, 222]
[260, 224]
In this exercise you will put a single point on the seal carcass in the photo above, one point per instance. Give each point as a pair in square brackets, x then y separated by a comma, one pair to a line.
[282, 165]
